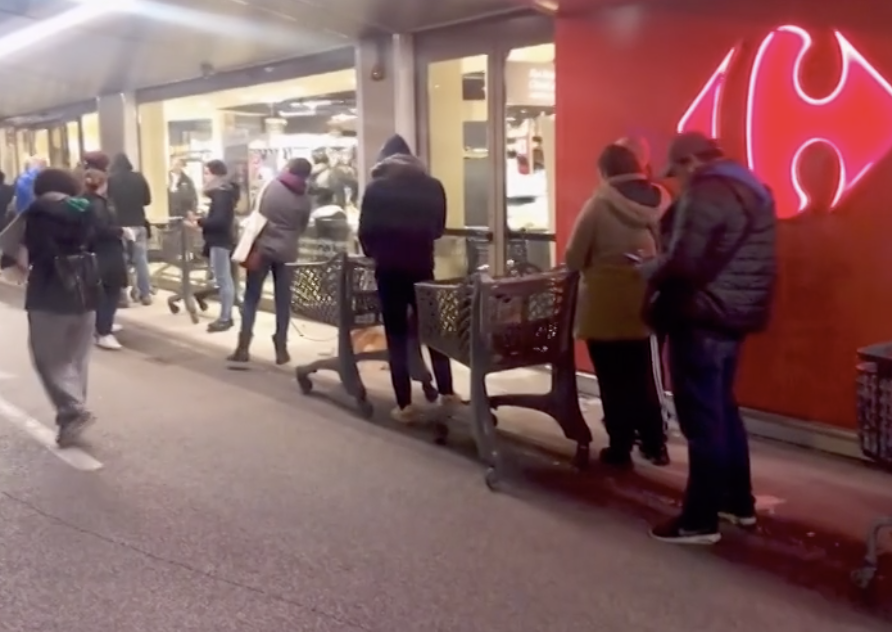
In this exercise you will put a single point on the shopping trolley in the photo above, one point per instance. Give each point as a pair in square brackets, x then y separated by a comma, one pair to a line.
[874, 402]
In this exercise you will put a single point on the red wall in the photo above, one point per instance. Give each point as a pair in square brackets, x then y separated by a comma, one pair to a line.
[636, 70]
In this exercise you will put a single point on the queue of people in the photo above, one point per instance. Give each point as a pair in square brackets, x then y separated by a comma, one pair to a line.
[690, 264]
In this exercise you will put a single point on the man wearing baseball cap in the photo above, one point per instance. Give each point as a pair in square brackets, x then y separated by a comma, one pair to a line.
[709, 290]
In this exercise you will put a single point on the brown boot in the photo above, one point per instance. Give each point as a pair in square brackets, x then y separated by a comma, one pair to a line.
[242, 353]
[280, 344]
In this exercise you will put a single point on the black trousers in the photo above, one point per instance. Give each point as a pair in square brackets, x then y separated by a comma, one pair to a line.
[396, 291]
[629, 393]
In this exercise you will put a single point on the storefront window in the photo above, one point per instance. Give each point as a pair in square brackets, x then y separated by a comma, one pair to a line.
[457, 152]
[256, 131]
[530, 151]
[90, 126]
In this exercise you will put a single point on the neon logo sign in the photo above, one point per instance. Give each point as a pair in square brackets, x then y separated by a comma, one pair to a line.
[706, 108]
[783, 121]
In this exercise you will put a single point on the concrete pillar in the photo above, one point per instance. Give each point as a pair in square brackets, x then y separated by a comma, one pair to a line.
[153, 157]
[385, 87]
[119, 125]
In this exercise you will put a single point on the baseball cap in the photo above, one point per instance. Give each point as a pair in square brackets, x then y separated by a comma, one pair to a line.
[687, 145]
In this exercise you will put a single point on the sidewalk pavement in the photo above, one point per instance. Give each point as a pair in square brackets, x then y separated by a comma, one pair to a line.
[815, 509]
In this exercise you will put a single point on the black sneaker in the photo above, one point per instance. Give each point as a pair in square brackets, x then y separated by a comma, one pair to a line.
[70, 431]
[616, 458]
[675, 532]
[659, 457]
[220, 325]
[744, 519]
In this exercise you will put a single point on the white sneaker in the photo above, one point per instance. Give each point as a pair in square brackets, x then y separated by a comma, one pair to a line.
[116, 328]
[451, 403]
[408, 415]
[109, 343]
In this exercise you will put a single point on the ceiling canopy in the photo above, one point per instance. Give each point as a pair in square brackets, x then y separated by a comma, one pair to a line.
[57, 52]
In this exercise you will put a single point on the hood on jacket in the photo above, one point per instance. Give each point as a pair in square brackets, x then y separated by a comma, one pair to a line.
[293, 182]
[633, 212]
[395, 158]
[736, 171]
[121, 163]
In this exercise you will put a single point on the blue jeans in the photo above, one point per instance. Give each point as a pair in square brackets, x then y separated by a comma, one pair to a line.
[221, 267]
[703, 366]
[283, 275]
[106, 309]
[139, 258]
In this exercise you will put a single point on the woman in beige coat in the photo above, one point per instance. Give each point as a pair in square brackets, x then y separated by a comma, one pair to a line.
[620, 219]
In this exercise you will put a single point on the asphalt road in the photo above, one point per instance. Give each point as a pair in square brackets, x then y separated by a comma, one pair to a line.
[210, 500]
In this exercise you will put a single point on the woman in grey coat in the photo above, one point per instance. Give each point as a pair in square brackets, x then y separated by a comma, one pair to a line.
[286, 205]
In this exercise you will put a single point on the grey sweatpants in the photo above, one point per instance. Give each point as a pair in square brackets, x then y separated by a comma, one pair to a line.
[60, 349]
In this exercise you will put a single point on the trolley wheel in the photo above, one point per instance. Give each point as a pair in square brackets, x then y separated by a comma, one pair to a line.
[441, 433]
[173, 307]
[431, 394]
[582, 457]
[863, 577]
[202, 304]
[305, 383]
[494, 420]
[365, 407]
[492, 479]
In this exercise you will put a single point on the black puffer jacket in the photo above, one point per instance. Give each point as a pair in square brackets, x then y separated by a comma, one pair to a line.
[403, 213]
[719, 270]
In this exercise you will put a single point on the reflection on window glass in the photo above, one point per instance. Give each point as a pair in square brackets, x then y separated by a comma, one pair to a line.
[457, 151]
[530, 151]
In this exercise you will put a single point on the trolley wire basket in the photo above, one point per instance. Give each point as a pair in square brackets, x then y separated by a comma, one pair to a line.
[181, 248]
[874, 416]
[493, 325]
[341, 292]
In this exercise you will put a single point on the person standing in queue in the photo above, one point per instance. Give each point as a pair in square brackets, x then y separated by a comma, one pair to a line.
[711, 289]
[108, 246]
[182, 198]
[129, 194]
[286, 205]
[55, 237]
[403, 212]
[218, 231]
[621, 217]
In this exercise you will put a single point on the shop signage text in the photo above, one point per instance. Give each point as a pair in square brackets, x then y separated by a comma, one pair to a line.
[782, 120]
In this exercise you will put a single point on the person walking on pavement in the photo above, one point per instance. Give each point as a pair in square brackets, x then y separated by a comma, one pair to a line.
[129, 194]
[621, 217]
[24, 184]
[218, 232]
[711, 289]
[182, 197]
[108, 246]
[286, 205]
[54, 238]
[403, 213]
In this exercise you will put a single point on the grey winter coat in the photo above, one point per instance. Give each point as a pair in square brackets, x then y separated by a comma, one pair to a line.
[286, 206]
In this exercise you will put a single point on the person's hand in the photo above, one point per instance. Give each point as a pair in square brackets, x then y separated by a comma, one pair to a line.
[128, 234]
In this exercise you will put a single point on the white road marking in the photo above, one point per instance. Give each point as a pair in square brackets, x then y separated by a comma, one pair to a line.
[75, 457]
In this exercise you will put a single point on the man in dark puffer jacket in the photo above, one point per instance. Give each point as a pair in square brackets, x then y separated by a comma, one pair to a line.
[712, 287]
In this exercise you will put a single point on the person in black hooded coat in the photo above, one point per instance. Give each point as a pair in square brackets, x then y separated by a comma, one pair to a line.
[129, 193]
[403, 212]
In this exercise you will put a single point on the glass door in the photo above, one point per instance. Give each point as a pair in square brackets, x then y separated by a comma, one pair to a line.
[463, 82]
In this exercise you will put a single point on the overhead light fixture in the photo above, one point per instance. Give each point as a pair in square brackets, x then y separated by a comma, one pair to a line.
[86, 11]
